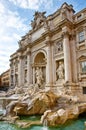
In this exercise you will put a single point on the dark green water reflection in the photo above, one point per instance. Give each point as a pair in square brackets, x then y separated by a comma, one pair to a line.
[71, 125]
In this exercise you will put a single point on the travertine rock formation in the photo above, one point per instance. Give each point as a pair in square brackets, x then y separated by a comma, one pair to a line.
[59, 117]
[41, 102]
[56, 109]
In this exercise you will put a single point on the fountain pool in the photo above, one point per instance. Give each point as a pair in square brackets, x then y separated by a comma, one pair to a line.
[77, 124]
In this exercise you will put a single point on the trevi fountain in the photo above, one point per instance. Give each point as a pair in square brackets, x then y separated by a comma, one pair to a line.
[50, 101]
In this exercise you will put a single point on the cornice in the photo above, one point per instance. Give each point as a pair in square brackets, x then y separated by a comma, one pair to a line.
[55, 14]
[42, 38]
[32, 31]
[78, 22]
[62, 24]
[83, 10]
[66, 22]
[39, 40]
[13, 57]
[48, 33]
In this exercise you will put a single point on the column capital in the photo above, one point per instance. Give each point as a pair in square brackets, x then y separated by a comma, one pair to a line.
[48, 41]
[28, 51]
[65, 32]
[21, 57]
[72, 36]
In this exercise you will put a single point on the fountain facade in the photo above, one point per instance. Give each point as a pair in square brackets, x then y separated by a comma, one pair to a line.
[48, 54]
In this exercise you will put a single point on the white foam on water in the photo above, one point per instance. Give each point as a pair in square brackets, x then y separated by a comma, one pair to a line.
[45, 128]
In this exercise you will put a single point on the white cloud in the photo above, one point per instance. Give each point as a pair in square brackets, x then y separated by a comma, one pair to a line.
[12, 26]
[47, 3]
[33, 4]
[1, 8]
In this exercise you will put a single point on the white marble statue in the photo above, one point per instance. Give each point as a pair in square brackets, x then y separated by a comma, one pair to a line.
[60, 71]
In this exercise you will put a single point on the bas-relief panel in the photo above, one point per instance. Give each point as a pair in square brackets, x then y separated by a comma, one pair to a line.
[58, 47]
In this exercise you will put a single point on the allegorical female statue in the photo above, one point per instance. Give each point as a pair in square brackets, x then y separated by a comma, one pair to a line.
[60, 71]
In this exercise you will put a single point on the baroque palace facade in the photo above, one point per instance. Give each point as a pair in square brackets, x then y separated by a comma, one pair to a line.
[5, 79]
[53, 52]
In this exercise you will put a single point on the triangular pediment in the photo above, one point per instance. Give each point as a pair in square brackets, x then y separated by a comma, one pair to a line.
[82, 57]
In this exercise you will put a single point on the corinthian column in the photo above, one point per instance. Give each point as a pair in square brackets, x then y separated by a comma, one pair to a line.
[20, 73]
[49, 64]
[29, 69]
[33, 75]
[67, 56]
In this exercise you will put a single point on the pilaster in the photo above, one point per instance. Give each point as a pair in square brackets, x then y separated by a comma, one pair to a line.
[74, 60]
[67, 56]
[33, 75]
[29, 69]
[14, 74]
[20, 71]
[49, 74]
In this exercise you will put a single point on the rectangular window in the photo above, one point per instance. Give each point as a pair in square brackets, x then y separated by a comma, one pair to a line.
[25, 78]
[83, 65]
[16, 78]
[81, 36]
[84, 90]
[25, 60]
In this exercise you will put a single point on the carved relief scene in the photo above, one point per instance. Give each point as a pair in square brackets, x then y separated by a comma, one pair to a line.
[58, 47]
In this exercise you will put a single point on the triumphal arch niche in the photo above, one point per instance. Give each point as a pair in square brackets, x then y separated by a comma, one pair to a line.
[39, 68]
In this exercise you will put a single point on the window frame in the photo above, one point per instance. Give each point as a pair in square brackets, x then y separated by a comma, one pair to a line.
[84, 61]
[81, 36]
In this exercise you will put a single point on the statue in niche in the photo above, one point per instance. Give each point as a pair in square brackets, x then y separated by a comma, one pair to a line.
[39, 76]
[39, 18]
[60, 71]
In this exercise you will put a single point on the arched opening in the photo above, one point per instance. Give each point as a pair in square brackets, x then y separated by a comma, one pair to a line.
[39, 59]
[40, 65]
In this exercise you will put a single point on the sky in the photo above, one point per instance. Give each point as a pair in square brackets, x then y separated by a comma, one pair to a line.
[15, 22]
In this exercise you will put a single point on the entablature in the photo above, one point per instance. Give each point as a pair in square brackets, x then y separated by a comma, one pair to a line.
[78, 17]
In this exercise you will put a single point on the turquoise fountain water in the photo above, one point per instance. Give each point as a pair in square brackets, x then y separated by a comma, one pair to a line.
[71, 125]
